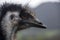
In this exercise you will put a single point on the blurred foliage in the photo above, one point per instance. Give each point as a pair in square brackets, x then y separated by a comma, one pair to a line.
[47, 36]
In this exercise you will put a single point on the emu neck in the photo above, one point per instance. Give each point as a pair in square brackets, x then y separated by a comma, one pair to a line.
[8, 32]
[2, 37]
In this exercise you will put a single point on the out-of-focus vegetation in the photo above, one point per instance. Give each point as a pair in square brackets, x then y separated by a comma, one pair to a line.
[48, 35]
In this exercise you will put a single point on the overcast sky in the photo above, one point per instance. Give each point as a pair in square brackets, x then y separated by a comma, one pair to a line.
[31, 3]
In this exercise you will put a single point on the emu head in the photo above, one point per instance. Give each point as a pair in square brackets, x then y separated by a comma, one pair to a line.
[16, 17]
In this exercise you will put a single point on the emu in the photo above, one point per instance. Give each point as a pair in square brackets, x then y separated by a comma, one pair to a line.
[15, 17]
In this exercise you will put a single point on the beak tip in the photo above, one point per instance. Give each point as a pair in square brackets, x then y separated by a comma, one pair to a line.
[43, 27]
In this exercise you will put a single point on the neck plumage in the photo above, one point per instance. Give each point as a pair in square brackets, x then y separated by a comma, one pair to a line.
[7, 33]
[2, 36]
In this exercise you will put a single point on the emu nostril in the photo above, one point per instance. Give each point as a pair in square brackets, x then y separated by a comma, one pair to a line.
[40, 23]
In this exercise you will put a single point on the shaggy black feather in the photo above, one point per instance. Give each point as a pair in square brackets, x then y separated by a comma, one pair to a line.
[3, 9]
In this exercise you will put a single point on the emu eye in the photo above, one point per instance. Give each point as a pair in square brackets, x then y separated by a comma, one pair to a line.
[12, 16]
[25, 16]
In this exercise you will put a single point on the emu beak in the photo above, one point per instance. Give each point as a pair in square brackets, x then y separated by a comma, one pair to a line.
[33, 23]
[36, 23]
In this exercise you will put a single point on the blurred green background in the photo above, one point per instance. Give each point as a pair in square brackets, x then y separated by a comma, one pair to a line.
[40, 34]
